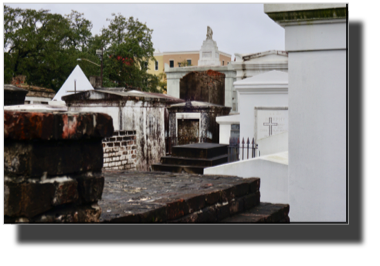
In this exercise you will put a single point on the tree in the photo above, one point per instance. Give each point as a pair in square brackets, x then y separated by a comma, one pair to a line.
[163, 82]
[42, 46]
[80, 31]
[128, 47]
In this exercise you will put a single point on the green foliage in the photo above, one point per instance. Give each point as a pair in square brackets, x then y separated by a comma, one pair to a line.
[128, 46]
[163, 83]
[42, 46]
[184, 63]
[45, 47]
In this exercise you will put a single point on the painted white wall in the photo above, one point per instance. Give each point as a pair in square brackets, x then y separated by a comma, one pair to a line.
[317, 119]
[111, 111]
[33, 99]
[225, 123]
[273, 144]
[271, 169]
[259, 93]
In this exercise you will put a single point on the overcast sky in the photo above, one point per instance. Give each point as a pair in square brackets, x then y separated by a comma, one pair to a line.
[237, 28]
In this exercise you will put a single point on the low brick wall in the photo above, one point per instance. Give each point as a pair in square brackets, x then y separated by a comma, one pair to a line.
[119, 151]
[52, 166]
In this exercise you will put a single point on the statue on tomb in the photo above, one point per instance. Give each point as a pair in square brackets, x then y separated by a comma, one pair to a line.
[209, 33]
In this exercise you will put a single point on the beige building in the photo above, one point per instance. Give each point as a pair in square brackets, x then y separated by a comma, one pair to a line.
[173, 58]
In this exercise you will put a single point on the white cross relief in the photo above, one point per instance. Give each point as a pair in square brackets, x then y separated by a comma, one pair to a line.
[270, 124]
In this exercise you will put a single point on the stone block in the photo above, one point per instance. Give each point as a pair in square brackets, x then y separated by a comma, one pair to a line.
[90, 188]
[66, 191]
[73, 214]
[56, 125]
[27, 199]
[35, 158]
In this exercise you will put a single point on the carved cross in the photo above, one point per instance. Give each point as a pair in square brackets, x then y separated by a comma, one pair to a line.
[270, 124]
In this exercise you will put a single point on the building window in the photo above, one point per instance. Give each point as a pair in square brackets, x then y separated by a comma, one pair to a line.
[156, 66]
[171, 62]
[189, 62]
[223, 63]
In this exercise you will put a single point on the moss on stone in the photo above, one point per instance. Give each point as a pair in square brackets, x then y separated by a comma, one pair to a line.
[309, 15]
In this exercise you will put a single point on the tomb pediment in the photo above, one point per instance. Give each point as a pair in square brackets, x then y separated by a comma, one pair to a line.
[262, 57]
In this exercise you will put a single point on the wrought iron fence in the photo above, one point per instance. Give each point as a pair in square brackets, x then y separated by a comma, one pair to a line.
[241, 150]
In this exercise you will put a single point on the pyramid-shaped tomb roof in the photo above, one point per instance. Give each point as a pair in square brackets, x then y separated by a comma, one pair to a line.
[82, 84]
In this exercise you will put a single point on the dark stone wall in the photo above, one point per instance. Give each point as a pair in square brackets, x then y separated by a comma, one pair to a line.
[207, 86]
[14, 97]
[52, 166]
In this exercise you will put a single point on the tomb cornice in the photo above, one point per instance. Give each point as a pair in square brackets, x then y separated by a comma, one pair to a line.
[262, 89]
[306, 14]
[260, 66]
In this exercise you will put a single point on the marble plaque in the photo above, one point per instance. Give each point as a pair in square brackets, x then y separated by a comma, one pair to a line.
[206, 54]
[270, 121]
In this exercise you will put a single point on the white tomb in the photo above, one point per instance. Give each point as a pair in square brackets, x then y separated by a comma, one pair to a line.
[315, 39]
[263, 102]
[209, 53]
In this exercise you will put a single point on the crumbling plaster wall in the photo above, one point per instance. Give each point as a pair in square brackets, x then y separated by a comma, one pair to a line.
[147, 119]
[144, 117]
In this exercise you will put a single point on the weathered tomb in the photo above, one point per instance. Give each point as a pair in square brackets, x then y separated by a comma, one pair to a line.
[52, 165]
[194, 122]
[203, 86]
[139, 121]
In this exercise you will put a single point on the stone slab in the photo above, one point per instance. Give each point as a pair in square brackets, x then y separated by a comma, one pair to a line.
[263, 213]
[200, 150]
[56, 125]
[194, 161]
[88, 213]
[137, 197]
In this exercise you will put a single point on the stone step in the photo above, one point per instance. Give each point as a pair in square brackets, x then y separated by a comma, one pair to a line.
[144, 197]
[175, 168]
[194, 161]
[200, 150]
[263, 213]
